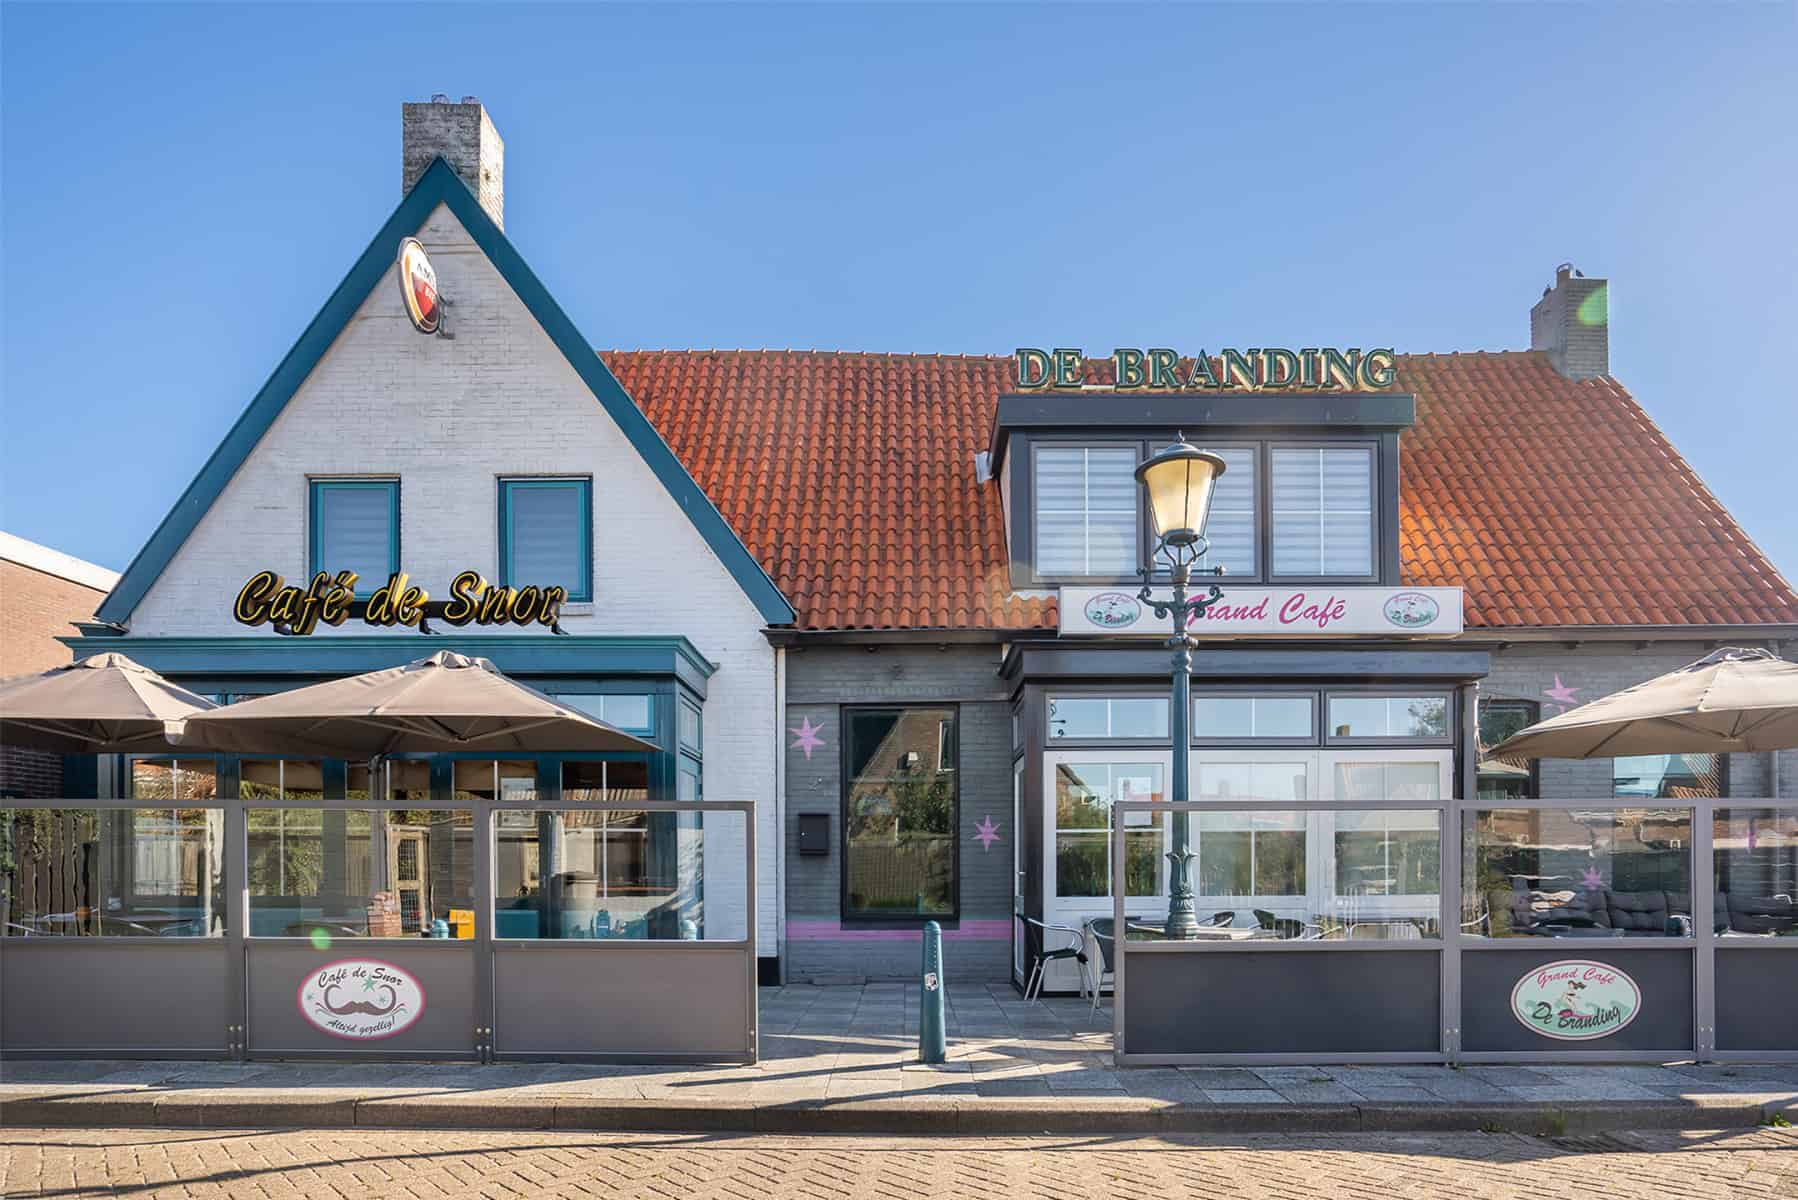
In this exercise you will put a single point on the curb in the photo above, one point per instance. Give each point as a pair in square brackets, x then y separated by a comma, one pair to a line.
[251, 1110]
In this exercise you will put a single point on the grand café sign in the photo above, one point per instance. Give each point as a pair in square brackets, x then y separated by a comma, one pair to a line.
[1275, 612]
[267, 599]
[1270, 368]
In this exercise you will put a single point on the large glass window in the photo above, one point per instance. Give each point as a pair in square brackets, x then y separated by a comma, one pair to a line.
[1084, 794]
[1410, 717]
[1388, 852]
[600, 873]
[1254, 718]
[633, 712]
[1259, 854]
[1086, 510]
[1755, 867]
[546, 534]
[119, 872]
[900, 812]
[1102, 717]
[605, 780]
[328, 873]
[1569, 873]
[1500, 719]
[1323, 511]
[1668, 776]
[356, 527]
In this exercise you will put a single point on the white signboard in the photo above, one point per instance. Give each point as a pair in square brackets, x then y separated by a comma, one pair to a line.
[1575, 1000]
[1250, 611]
[361, 999]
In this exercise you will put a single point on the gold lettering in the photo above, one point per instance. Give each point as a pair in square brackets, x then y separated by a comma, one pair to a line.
[254, 598]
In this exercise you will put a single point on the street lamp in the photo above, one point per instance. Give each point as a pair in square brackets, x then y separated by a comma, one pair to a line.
[1179, 482]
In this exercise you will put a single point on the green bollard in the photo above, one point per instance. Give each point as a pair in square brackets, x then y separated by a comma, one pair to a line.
[933, 1044]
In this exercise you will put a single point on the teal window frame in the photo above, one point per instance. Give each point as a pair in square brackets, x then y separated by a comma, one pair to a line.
[316, 489]
[585, 484]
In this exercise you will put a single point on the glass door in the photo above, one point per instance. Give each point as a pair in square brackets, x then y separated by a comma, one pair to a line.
[1381, 868]
[1254, 868]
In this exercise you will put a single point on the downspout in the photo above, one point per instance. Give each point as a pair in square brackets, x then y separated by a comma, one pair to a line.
[780, 809]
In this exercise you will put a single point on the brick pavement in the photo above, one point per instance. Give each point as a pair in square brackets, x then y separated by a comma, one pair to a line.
[361, 1164]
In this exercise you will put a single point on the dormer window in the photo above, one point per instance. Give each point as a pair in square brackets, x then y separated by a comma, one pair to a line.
[1322, 511]
[1086, 510]
[1286, 510]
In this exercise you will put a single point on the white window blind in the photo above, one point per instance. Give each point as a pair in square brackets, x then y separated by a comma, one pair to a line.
[1086, 510]
[355, 531]
[545, 541]
[1322, 511]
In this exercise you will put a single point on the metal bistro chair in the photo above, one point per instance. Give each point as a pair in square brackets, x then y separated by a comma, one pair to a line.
[1076, 950]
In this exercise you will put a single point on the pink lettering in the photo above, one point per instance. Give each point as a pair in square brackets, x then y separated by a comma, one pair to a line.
[1298, 610]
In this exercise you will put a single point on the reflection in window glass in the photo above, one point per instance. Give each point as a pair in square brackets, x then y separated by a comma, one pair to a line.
[1577, 873]
[585, 782]
[485, 779]
[1668, 776]
[1411, 782]
[1246, 718]
[1084, 794]
[590, 873]
[1256, 854]
[627, 711]
[1143, 717]
[1755, 854]
[173, 779]
[1272, 780]
[1500, 719]
[1389, 716]
[353, 873]
[129, 872]
[900, 810]
[1388, 853]
[273, 779]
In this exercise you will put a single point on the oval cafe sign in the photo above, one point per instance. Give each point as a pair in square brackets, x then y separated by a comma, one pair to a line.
[418, 286]
[361, 999]
[1575, 1000]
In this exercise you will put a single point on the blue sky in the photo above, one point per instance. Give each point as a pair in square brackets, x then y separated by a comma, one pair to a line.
[183, 186]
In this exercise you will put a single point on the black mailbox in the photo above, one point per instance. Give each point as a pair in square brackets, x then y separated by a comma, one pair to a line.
[814, 833]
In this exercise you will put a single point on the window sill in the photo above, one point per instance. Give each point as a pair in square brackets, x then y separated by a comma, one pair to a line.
[577, 608]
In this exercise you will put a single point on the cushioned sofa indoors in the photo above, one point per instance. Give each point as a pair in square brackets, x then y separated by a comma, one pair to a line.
[1601, 912]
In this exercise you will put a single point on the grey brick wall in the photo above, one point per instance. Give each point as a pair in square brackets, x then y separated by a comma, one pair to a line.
[464, 135]
[820, 681]
[1596, 670]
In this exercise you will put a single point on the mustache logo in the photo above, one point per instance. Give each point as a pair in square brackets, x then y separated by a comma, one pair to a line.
[361, 1006]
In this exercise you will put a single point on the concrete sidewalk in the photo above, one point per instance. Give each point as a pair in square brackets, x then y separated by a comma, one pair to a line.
[842, 1059]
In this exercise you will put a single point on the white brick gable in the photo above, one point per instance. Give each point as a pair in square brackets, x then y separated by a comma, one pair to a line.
[449, 417]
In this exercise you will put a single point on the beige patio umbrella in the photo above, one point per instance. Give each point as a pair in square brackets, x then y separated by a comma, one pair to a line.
[104, 704]
[1733, 701]
[441, 704]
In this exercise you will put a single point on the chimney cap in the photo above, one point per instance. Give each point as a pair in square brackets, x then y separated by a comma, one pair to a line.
[471, 99]
[439, 97]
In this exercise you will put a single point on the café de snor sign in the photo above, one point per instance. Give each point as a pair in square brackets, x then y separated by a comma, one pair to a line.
[1256, 370]
[266, 598]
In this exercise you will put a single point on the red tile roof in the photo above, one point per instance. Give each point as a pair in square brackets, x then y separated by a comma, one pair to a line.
[851, 477]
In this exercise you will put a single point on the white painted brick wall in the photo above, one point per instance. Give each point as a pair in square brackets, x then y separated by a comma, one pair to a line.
[449, 417]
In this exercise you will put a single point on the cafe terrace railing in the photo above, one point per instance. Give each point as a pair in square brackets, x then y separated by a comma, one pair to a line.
[1467, 931]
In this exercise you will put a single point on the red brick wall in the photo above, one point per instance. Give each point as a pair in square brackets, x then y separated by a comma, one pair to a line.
[35, 610]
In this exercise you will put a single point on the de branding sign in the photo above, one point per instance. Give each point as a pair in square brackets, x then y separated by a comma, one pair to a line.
[361, 999]
[1575, 1000]
[1263, 612]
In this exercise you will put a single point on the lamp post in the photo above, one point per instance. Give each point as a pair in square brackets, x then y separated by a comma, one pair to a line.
[1179, 482]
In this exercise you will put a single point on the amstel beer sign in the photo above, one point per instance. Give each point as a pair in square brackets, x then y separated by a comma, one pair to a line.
[418, 287]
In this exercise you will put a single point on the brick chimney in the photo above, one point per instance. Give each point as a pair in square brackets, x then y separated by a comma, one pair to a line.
[1572, 323]
[465, 137]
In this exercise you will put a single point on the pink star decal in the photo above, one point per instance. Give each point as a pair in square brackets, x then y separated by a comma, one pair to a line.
[806, 736]
[1560, 693]
[986, 833]
[1592, 881]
